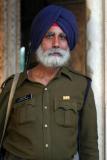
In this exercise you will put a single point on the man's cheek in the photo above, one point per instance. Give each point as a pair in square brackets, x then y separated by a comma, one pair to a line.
[46, 45]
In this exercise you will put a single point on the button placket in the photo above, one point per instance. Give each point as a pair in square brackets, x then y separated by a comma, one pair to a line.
[46, 120]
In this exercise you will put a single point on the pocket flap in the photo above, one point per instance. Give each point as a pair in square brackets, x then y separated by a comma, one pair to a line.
[65, 104]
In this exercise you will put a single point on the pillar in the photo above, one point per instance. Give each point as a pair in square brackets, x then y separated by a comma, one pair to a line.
[1, 41]
[11, 36]
[105, 4]
[95, 63]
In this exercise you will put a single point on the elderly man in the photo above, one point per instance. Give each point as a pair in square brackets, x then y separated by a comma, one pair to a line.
[53, 111]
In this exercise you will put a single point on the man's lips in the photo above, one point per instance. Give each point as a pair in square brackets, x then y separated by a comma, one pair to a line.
[55, 54]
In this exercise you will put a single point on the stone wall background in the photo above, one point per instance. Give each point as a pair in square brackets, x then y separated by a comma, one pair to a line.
[78, 57]
[96, 64]
[9, 38]
[1, 42]
[105, 26]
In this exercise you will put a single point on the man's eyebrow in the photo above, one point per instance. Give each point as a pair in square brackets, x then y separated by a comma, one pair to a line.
[63, 34]
[50, 33]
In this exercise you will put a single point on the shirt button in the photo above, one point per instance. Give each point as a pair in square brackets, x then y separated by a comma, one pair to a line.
[46, 145]
[46, 89]
[46, 125]
[45, 107]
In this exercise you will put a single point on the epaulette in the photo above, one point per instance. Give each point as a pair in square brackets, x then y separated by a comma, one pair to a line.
[82, 75]
[79, 74]
[6, 81]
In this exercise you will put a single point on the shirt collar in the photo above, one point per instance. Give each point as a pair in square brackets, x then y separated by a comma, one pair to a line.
[65, 71]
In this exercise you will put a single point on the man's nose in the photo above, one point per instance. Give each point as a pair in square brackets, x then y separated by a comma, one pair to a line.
[56, 42]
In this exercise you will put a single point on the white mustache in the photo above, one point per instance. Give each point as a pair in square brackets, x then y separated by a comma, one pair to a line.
[55, 51]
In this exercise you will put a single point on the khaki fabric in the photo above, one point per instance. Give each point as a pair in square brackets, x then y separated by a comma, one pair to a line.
[44, 121]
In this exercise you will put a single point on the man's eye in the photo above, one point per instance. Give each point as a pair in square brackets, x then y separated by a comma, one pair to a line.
[63, 37]
[49, 36]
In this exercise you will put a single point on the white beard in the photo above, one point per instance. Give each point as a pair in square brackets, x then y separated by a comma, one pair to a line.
[54, 57]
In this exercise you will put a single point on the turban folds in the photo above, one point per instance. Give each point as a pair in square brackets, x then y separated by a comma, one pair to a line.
[44, 20]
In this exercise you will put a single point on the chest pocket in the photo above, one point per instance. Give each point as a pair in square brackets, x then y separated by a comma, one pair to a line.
[24, 112]
[66, 113]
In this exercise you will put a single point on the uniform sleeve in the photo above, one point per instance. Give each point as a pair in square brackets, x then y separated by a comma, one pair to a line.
[3, 107]
[88, 146]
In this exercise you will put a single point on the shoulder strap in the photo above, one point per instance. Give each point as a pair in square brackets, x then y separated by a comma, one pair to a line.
[86, 91]
[79, 115]
[12, 91]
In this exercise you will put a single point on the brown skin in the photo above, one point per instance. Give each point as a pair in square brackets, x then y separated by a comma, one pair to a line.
[54, 38]
[42, 74]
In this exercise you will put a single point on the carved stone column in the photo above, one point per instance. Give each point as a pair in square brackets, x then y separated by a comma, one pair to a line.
[95, 63]
[12, 36]
[9, 38]
[105, 4]
[1, 41]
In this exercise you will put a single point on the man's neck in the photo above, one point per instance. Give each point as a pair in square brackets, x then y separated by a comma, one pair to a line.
[42, 74]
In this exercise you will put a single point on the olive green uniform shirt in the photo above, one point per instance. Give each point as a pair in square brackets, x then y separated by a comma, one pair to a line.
[51, 122]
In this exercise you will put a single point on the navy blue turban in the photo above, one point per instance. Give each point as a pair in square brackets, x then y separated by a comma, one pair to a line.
[44, 20]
